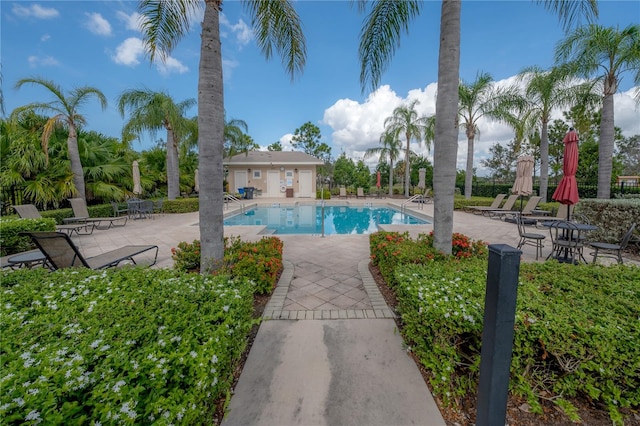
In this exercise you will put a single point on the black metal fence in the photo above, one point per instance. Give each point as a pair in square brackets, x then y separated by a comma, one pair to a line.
[585, 190]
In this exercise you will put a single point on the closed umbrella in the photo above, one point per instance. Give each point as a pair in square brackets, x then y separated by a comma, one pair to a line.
[422, 174]
[567, 190]
[523, 184]
[137, 188]
[378, 180]
[196, 186]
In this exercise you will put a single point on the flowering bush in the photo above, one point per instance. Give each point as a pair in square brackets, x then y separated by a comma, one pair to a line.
[576, 330]
[259, 261]
[128, 346]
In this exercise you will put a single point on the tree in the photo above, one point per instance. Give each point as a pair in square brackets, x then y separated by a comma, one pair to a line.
[389, 150]
[362, 177]
[234, 136]
[606, 53]
[276, 146]
[629, 154]
[405, 120]
[501, 161]
[277, 27]
[546, 91]
[477, 100]
[344, 170]
[65, 112]
[307, 138]
[152, 111]
[379, 38]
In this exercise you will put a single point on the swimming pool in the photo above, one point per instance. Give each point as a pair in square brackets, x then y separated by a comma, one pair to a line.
[307, 219]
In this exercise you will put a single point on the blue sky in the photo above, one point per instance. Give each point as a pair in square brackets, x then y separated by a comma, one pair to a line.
[97, 43]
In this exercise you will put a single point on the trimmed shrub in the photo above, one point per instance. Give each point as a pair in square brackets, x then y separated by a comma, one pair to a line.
[181, 205]
[12, 242]
[613, 217]
[125, 346]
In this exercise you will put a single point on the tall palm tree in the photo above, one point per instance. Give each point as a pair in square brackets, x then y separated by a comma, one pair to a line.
[379, 39]
[405, 120]
[152, 111]
[389, 149]
[65, 110]
[606, 53]
[277, 27]
[546, 91]
[234, 132]
[476, 100]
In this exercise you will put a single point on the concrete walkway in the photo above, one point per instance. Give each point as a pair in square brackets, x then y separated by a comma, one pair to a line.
[328, 352]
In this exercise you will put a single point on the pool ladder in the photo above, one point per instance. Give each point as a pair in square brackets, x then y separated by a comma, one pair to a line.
[418, 197]
[228, 197]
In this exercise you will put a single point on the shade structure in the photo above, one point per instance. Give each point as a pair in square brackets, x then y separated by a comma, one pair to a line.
[196, 185]
[567, 190]
[137, 188]
[523, 184]
[422, 173]
[378, 180]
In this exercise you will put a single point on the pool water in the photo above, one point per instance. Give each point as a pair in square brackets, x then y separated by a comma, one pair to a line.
[307, 219]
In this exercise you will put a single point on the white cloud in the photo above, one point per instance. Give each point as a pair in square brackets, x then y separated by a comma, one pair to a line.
[45, 37]
[97, 24]
[243, 33]
[356, 126]
[228, 66]
[132, 22]
[45, 61]
[35, 11]
[129, 52]
[171, 65]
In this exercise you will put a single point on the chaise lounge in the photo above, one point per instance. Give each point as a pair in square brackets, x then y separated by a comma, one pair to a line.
[29, 211]
[81, 215]
[61, 252]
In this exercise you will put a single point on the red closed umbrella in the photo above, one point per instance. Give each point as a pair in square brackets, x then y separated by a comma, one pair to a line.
[378, 181]
[567, 190]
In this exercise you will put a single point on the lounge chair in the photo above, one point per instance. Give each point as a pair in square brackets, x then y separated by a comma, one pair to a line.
[360, 193]
[81, 213]
[506, 207]
[612, 250]
[61, 252]
[494, 205]
[343, 192]
[561, 214]
[526, 210]
[117, 210]
[29, 211]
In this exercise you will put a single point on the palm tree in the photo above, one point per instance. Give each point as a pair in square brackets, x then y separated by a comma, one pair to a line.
[151, 111]
[65, 112]
[389, 148]
[277, 27]
[379, 38]
[606, 53]
[476, 100]
[546, 91]
[233, 135]
[405, 120]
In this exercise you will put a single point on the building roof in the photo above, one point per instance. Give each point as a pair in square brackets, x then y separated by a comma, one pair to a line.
[268, 158]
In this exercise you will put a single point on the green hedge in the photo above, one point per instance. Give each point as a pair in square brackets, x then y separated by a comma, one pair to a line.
[613, 217]
[126, 346]
[12, 242]
[181, 205]
[576, 330]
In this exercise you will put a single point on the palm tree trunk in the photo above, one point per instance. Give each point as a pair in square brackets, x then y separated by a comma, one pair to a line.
[445, 148]
[173, 169]
[605, 148]
[76, 164]
[544, 161]
[407, 169]
[390, 178]
[468, 179]
[211, 140]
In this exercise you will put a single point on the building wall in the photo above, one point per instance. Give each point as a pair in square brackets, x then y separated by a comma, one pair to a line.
[289, 177]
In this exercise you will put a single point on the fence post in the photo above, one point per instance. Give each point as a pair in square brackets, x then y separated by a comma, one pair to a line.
[497, 334]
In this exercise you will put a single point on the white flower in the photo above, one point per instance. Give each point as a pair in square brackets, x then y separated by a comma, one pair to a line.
[95, 343]
[225, 308]
[118, 385]
[214, 359]
[193, 354]
[34, 415]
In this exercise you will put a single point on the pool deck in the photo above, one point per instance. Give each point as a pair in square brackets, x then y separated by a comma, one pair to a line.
[328, 351]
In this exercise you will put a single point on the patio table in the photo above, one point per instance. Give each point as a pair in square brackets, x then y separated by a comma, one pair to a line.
[573, 226]
[28, 259]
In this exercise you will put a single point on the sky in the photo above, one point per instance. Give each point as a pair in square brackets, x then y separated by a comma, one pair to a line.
[99, 44]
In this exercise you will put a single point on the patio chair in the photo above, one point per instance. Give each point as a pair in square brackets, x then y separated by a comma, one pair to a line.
[360, 193]
[81, 215]
[158, 206]
[612, 250]
[506, 207]
[494, 205]
[29, 211]
[529, 238]
[61, 252]
[343, 192]
[567, 243]
[117, 210]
